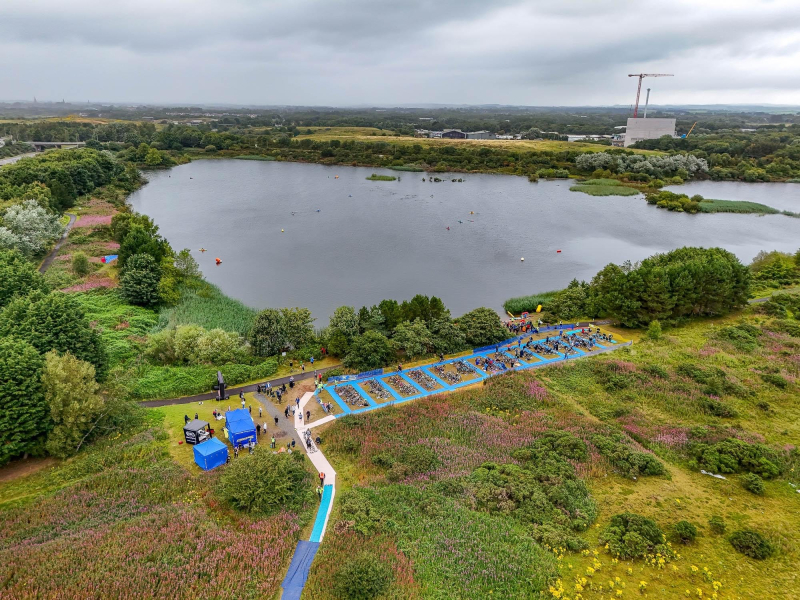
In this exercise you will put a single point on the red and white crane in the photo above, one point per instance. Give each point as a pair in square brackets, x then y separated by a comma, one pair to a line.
[639, 89]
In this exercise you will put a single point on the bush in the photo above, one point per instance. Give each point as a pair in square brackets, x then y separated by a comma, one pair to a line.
[629, 535]
[362, 578]
[654, 330]
[751, 543]
[266, 483]
[138, 283]
[735, 456]
[717, 525]
[774, 379]
[753, 483]
[685, 532]
[80, 264]
[628, 462]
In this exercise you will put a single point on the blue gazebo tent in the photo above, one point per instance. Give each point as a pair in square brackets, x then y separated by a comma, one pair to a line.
[210, 454]
[240, 426]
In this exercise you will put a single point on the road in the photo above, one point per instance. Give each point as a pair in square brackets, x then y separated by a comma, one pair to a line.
[13, 159]
[232, 391]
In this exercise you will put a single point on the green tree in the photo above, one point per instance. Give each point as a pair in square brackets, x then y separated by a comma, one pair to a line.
[413, 338]
[299, 326]
[448, 338]
[482, 326]
[186, 265]
[269, 334]
[344, 320]
[75, 404]
[80, 263]
[54, 321]
[139, 281]
[18, 277]
[24, 415]
[266, 483]
[141, 240]
[369, 350]
[153, 158]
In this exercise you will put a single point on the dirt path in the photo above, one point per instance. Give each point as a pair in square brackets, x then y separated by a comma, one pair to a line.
[23, 468]
[52, 256]
[235, 390]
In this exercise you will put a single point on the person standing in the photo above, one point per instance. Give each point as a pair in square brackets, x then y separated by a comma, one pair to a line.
[259, 412]
[258, 429]
[321, 478]
[276, 421]
[319, 493]
[308, 415]
[312, 361]
[272, 445]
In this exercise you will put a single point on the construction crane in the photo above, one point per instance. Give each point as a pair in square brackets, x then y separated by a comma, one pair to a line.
[685, 135]
[639, 89]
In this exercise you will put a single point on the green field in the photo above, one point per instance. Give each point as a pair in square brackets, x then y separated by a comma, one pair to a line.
[376, 177]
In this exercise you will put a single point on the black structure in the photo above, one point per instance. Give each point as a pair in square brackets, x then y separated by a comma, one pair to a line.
[454, 134]
[220, 387]
[196, 431]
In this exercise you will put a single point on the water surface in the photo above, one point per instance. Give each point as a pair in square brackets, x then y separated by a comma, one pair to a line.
[374, 240]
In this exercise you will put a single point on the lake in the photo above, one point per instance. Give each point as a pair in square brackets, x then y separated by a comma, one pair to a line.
[353, 241]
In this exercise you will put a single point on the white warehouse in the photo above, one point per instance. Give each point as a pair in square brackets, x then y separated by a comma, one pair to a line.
[648, 129]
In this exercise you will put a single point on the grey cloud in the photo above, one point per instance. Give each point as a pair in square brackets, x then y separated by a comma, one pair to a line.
[379, 51]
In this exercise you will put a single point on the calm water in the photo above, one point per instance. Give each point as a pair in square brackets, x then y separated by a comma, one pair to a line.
[783, 196]
[374, 240]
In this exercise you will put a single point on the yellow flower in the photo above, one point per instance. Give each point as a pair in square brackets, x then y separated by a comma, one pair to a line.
[630, 571]
[589, 571]
[642, 586]
[699, 593]
[694, 569]
[578, 587]
[619, 593]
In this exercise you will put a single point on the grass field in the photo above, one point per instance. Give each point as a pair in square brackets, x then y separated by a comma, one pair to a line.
[364, 134]
[604, 187]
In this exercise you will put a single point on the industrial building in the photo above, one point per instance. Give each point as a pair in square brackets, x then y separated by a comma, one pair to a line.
[648, 129]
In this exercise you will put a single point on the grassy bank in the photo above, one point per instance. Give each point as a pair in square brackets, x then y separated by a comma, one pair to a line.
[522, 304]
[741, 206]
[204, 304]
[376, 177]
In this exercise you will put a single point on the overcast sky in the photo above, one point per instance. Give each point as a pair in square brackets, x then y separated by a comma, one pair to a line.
[351, 52]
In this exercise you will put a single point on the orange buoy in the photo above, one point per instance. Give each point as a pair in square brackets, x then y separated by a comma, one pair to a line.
[218, 260]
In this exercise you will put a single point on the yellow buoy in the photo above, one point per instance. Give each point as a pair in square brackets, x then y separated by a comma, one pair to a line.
[522, 259]
[281, 230]
[472, 212]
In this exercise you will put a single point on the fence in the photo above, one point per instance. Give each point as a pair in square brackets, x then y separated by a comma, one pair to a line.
[356, 377]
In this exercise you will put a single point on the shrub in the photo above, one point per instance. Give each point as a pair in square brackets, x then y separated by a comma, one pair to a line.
[751, 543]
[629, 535]
[735, 456]
[717, 525]
[80, 264]
[266, 483]
[369, 351]
[628, 462]
[654, 330]
[685, 532]
[753, 483]
[657, 371]
[138, 283]
[774, 379]
[362, 578]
